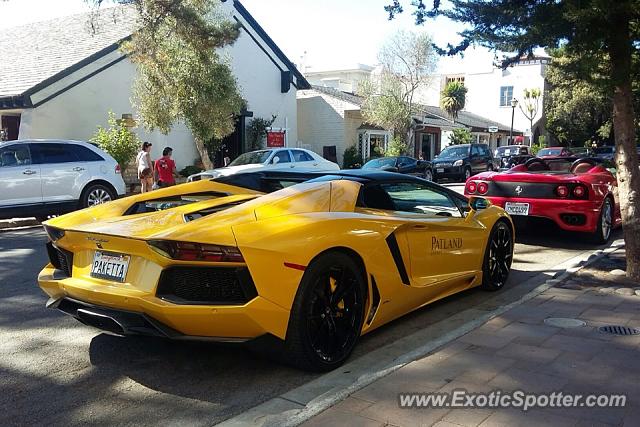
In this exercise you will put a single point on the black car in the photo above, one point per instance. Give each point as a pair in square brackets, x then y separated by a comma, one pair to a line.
[460, 162]
[401, 164]
[509, 156]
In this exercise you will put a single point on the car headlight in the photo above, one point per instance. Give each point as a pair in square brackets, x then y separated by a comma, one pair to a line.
[457, 163]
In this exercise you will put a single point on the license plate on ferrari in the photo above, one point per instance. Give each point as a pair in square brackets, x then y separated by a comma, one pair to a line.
[110, 266]
[440, 170]
[516, 208]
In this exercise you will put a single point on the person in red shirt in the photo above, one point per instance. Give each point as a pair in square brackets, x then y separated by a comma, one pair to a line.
[166, 169]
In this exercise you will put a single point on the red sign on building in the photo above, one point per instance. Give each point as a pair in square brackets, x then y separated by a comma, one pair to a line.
[275, 139]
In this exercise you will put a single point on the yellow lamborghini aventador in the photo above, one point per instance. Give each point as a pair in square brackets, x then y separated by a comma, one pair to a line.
[314, 261]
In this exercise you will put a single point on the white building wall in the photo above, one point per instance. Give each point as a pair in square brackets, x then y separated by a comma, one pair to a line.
[259, 81]
[483, 95]
[76, 113]
[321, 122]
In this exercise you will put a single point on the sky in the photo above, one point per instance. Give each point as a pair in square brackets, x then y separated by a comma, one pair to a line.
[322, 34]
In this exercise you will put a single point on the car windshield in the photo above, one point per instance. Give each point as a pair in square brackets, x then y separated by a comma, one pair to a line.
[511, 150]
[380, 163]
[454, 152]
[252, 158]
[550, 152]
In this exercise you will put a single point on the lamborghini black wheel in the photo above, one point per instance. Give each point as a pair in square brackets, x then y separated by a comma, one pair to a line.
[326, 317]
[497, 257]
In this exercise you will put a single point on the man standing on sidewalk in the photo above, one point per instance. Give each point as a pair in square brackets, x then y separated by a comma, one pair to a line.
[166, 169]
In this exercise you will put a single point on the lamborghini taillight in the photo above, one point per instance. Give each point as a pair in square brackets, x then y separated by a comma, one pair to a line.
[188, 251]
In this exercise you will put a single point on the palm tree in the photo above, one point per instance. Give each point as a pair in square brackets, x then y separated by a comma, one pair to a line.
[453, 98]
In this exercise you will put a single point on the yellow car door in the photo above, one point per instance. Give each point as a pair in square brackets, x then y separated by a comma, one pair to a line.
[445, 247]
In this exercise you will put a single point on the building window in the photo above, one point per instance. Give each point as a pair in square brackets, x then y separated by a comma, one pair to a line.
[506, 95]
[372, 143]
[451, 79]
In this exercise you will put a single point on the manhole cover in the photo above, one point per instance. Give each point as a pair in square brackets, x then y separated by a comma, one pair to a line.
[618, 330]
[563, 322]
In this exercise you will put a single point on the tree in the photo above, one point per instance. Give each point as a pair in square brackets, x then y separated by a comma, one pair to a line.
[579, 26]
[257, 131]
[453, 98]
[407, 62]
[529, 106]
[117, 140]
[460, 136]
[579, 104]
[181, 74]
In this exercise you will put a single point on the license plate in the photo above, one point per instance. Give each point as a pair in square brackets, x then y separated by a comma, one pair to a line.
[440, 170]
[110, 266]
[516, 208]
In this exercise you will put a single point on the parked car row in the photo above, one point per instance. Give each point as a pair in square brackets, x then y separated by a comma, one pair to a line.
[49, 177]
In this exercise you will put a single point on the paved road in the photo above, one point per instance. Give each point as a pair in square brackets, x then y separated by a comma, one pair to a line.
[54, 371]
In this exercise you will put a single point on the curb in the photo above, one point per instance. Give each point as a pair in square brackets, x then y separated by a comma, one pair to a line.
[299, 405]
[15, 223]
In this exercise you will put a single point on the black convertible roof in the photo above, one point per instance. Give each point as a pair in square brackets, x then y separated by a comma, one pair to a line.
[252, 179]
[270, 181]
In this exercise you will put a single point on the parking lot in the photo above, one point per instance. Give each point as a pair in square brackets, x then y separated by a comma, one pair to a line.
[56, 370]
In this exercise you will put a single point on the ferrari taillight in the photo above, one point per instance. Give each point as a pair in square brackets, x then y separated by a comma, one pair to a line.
[579, 192]
[118, 169]
[562, 191]
[471, 187]
[483, 188]
[187, 251]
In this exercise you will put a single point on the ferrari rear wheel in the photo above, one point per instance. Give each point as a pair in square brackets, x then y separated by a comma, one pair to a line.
[326, 317]
[605, 223]
[498, 257]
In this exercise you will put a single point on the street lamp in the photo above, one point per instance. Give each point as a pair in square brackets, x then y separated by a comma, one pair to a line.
[514, 104]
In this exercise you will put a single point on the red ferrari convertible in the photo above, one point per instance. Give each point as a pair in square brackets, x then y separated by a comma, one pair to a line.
[577, 194]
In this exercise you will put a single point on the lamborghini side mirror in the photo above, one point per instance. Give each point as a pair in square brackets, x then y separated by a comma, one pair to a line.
[478, 203]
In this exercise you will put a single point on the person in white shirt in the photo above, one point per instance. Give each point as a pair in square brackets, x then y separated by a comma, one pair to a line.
[145, 167]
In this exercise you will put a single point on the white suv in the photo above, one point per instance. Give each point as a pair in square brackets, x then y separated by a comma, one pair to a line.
[46, 177]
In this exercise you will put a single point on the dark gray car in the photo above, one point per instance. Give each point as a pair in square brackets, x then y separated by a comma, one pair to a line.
[460, 162]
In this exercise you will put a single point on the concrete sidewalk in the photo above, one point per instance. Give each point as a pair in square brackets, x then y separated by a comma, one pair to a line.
[518, 350]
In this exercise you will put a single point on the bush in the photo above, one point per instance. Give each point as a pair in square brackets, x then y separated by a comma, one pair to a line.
[396, 147]
[351, 159]
[190, 170]
[460, 136]
[118, 141]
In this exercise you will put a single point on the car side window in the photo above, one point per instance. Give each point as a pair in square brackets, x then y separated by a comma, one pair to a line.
[475, 150]
[53, 153]
[15, 155]
[282, 156]
[404, 161]
[410, 197]
[301, 156]
[485, 151]
[84, 154]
